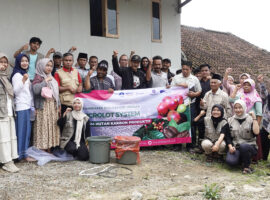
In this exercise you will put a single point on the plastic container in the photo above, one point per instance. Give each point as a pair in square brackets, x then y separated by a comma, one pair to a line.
[127, 149]
[128, 158]
[99, 149]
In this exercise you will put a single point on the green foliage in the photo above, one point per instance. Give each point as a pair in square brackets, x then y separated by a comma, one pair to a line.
[212, 192]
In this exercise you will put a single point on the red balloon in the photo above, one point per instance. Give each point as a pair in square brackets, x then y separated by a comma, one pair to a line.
[167, 99]
[173, 115]
[162, 109]
[173, 104]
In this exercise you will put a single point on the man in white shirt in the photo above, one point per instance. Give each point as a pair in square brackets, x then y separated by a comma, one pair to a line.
[187, 80]
[157, 77]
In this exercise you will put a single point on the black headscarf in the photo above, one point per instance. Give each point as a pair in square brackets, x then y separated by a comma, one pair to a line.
[219, 119]
[143, 68]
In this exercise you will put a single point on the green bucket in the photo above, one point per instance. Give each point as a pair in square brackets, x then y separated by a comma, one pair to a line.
[99, 149]
[128, 158]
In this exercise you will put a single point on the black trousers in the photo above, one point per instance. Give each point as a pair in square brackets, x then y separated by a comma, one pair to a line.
[81, 153]
[243, 155]
[265, 143]
[193, 114]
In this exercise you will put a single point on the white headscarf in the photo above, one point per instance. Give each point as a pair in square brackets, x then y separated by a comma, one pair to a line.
[4, 78]
[40, 70]
[79, 116]
[243, 104]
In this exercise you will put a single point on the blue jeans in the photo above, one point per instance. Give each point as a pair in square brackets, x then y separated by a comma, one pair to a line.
[23, 131]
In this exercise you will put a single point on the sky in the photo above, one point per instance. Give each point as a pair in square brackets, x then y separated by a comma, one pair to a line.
[247, 19]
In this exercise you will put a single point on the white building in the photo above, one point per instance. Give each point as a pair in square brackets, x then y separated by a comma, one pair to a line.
[97, 27]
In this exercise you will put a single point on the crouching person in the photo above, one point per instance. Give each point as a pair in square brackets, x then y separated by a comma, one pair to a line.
[8, 139]
[215, 129]
[242, 140]
[76, 128]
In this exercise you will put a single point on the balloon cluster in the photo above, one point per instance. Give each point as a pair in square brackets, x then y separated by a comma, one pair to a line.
[172, 107]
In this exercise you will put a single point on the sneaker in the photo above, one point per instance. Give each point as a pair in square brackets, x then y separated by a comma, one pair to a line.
[10, 167]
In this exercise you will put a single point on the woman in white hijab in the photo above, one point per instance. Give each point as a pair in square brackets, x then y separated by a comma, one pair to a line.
[76, 128]
[242, 138]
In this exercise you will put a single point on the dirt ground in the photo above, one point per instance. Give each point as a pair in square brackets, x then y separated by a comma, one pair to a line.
[161, 175]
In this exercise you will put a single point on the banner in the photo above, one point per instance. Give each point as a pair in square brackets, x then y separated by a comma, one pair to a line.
[158, 116]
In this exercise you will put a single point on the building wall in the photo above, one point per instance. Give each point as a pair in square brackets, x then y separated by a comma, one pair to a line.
[65, 23]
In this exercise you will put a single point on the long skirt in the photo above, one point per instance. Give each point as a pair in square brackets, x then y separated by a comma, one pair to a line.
[46, 130]
[8, 140]
[23, 131]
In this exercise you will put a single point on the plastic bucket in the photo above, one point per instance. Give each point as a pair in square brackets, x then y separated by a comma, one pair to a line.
[128, 158]
[99, 149]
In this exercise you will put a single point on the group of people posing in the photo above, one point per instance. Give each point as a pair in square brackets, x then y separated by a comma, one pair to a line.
[38, 103]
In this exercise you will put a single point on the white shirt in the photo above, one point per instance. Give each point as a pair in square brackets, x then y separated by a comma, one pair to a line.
[192, 82]
[159, 80]
[22, 92]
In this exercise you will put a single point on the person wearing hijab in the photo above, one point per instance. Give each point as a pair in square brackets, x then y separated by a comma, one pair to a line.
[144, 64]
[216, 127]
[8, 139]
[242, 138]
[46, 131]
[76, 128]
[23, 102]
[265, 130]
[253, 101]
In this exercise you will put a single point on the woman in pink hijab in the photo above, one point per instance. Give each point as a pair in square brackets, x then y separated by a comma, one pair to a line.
[253, 101]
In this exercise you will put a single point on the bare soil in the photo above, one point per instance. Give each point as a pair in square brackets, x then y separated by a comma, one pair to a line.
[161, 175]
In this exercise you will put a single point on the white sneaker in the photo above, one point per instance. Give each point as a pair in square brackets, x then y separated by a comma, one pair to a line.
[10, 167]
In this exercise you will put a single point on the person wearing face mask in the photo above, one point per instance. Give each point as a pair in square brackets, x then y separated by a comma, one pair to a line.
[46, 131]
[241, 141]
[215, 129]
[76, 128]
[23, 102]
[8, 139]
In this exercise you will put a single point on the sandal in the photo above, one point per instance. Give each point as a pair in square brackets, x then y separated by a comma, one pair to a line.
[247, 171]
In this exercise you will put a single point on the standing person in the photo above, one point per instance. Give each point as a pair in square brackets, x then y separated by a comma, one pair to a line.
[8, 139]
[216, 96]
[123, 60]
[23, 101]
[187, 80]
[82, 61]
[197, 72]
[265, 138]
[33, 55]
[144, 64]
[46, 131]
[69, 82]
[166, 64]
[156, 77]
[228, 80]
[132, 78]
[76, 128]
[215, 129]
[100, 81]
[242, 139]
[57, 62]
